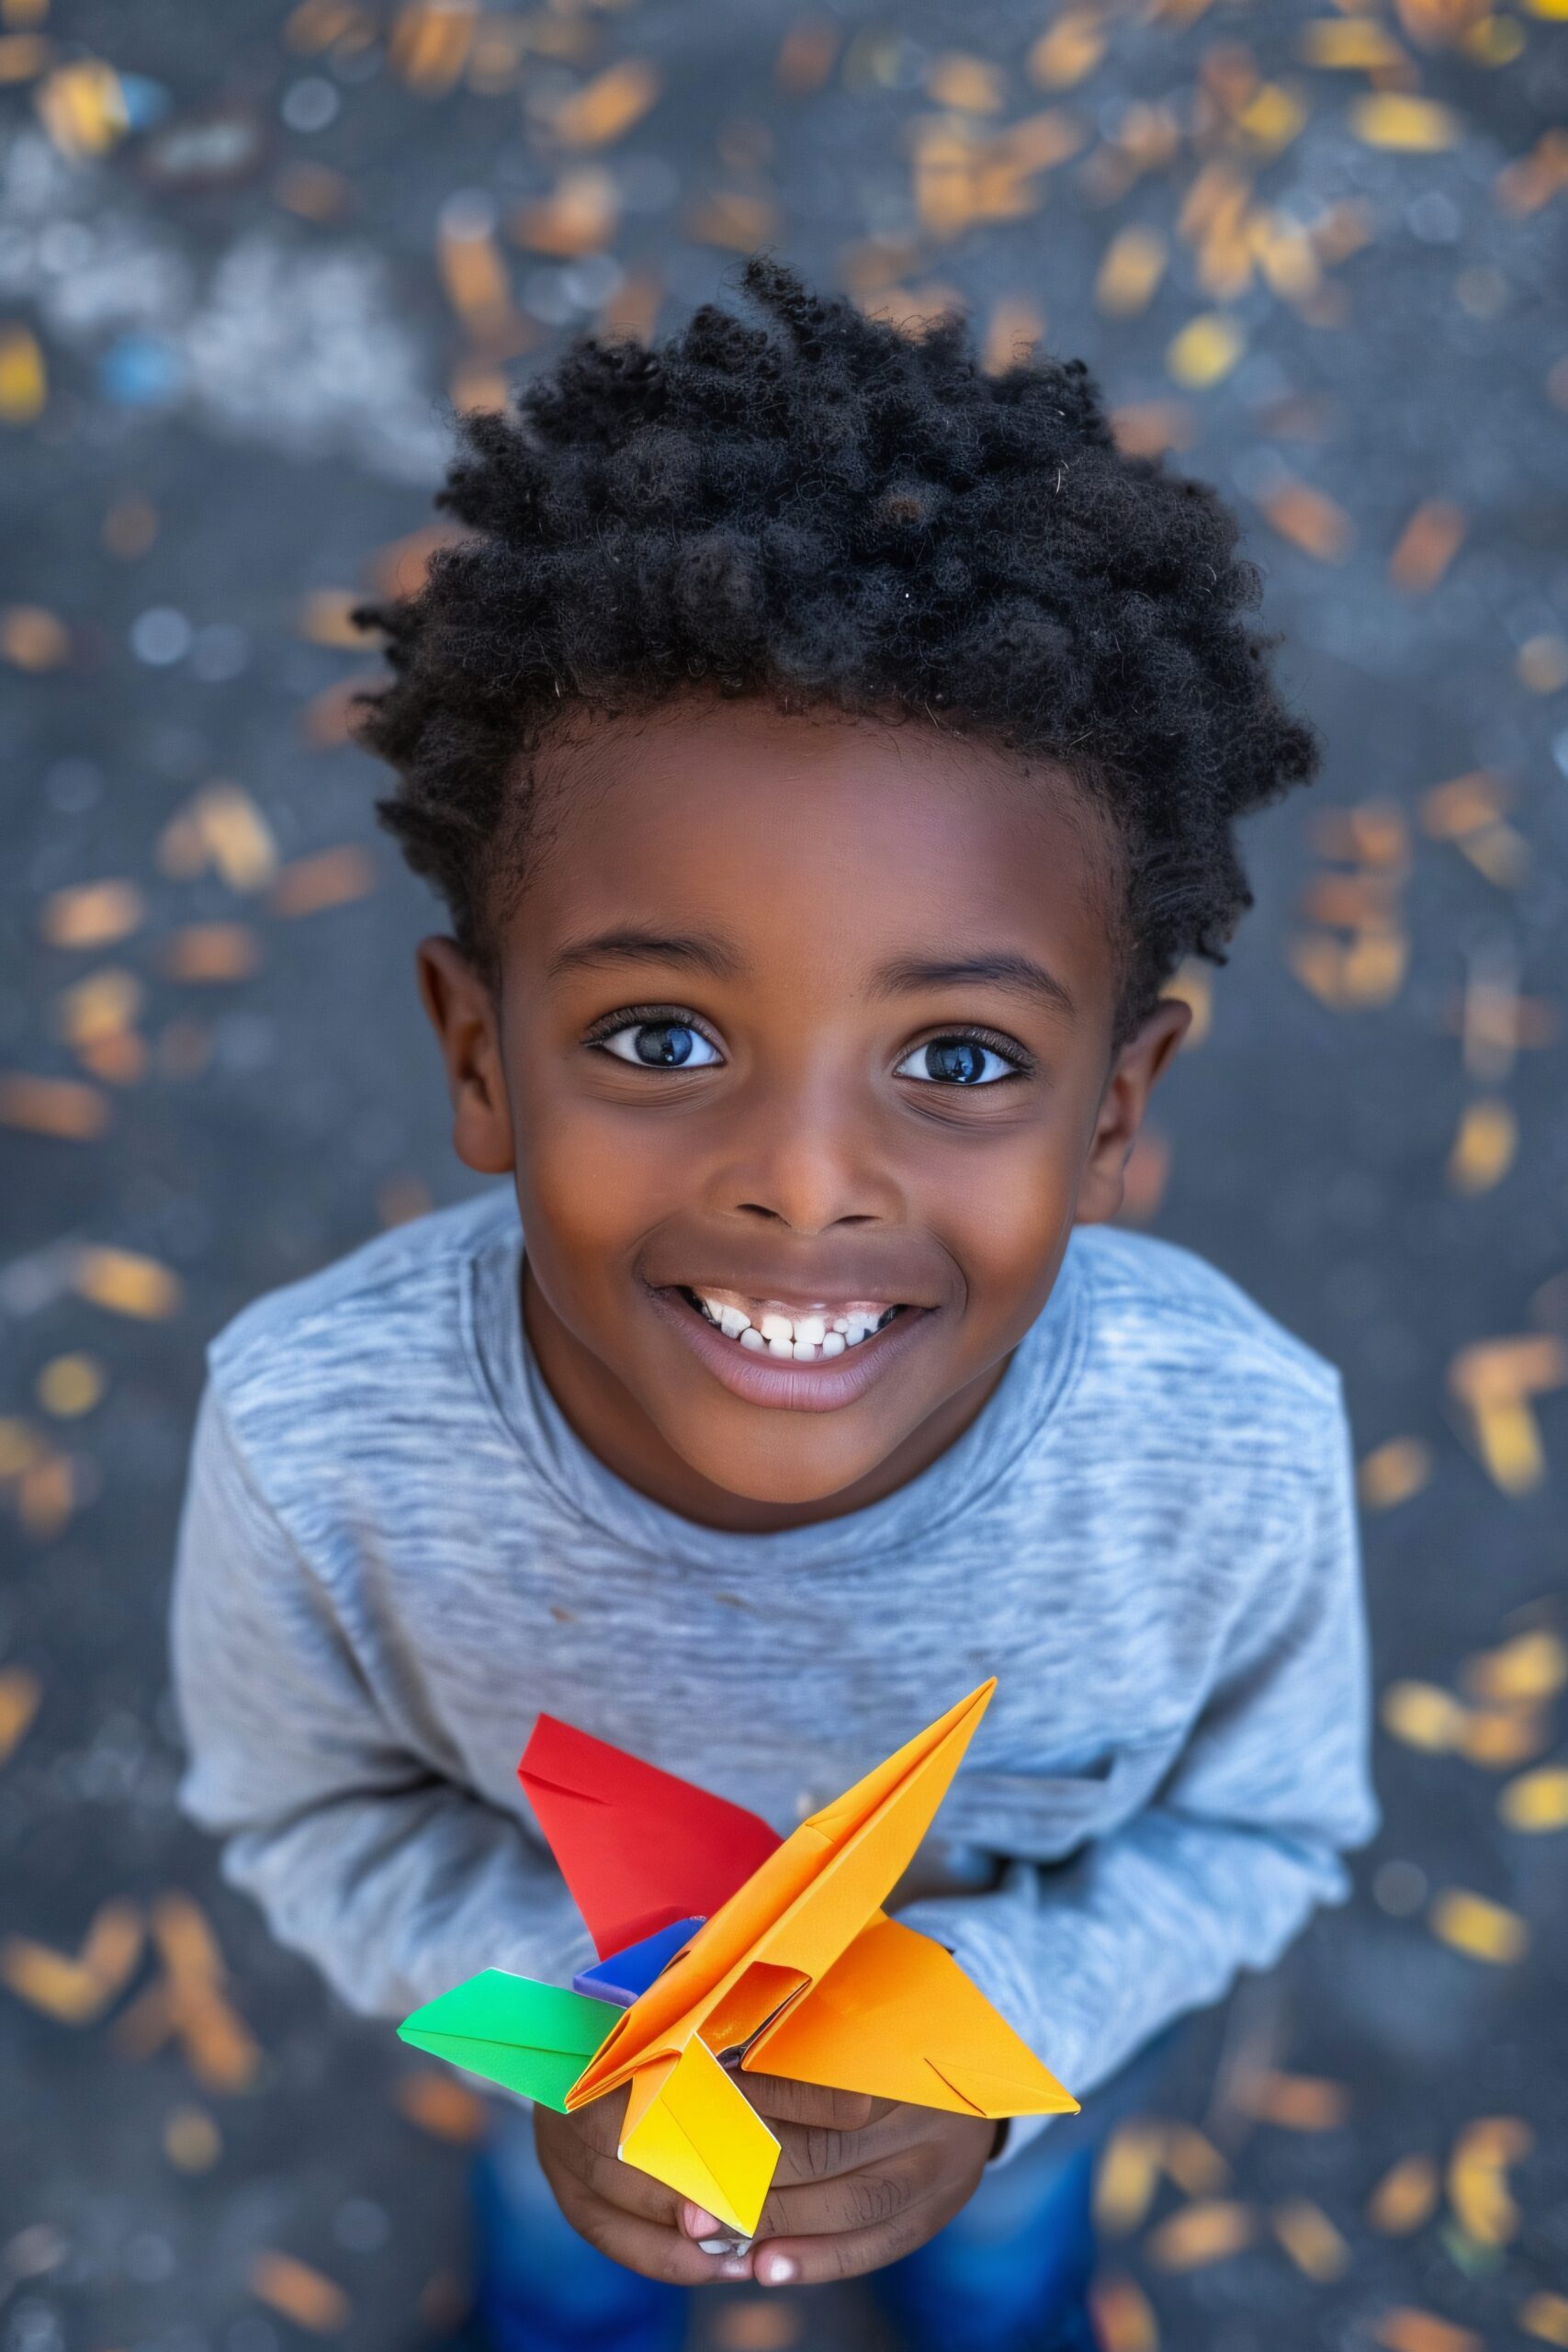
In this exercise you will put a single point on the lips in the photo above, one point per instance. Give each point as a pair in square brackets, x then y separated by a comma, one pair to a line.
[798, 1374]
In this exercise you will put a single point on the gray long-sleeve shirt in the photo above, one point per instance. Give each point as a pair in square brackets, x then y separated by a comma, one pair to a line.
[395, 1554]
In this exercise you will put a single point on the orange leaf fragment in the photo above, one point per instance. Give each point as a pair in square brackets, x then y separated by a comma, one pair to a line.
[579, 215]
[1201, 2234]
[207, 952]
[1148, 428]
[1498, 1737]
[605, 109]
[1311, 2240]
[442, 2106]
[1205, 351]
[1293, 2102]
[1531, 1666]
[126, 1282]
[32, 638]
[1016, 328]
[430, 43]
[20, 1696]
[76, 1990]
[82, 105]
[1069, 49]
[92, 914]
[307, 2297]
[1479, 1928]
[1310, 521]
[1427, 546]
[1404, 2329]
[1404, 2198]
[1393, 1471]
[53, 1106]
[1545, 2317]
[735, 217]
[1123, 2316]
[1541, 663]
[969, 85]
[191, 2140]
[805, 58]
[333, 877]
[23, 54]
[1349, 44]
[1132, 268]
[1193, 2162]
[1523, 186]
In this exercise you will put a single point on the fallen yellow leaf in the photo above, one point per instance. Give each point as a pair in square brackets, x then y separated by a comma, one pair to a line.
[1069, 49]
[442, 2106]
[1481, 1928]
[20, 1697]
[1132, 268]
[1293, 2102]
[1537, 1801]
[93, 914]
[1431, 539]
[31, 638]
[1126, 2178]
[1422, 1715]
[126, 1282]
[312, 2300]
[1406, 2330]
[63, 1107]
[1123, 2316]
[1205, 351]
[1484, 1147]
[333, 877]
[605, 109]
[1544, 2316]
[1414, 126]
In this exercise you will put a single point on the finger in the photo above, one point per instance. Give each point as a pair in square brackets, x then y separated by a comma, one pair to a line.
[567, 2155]
[874, 2196]
[811, 2103]
[649, 2247]
[815, 2261]
[815, 2152]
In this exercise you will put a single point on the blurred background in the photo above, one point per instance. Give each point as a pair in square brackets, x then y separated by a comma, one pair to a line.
[250, 259]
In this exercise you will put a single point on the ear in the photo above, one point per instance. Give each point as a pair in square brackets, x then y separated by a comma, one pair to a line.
[462, 1013]
[1137, 1065]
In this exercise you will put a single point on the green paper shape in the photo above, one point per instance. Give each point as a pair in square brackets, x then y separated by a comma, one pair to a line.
[534, 2039]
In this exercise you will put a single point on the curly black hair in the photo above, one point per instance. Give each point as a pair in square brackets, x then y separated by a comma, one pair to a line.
[820, 507]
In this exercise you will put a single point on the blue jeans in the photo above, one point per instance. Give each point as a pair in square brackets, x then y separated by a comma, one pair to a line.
[1008, 2274]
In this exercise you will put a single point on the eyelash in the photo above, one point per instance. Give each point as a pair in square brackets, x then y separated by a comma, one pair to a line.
[632, 1016]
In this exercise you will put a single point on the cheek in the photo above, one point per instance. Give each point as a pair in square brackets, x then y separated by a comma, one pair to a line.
[1005, 1213]
[586, 1193]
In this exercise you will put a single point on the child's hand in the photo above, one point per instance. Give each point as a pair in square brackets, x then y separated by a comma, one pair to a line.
[860, 2181]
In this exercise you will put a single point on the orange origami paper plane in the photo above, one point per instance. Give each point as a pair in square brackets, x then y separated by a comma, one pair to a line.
[730, 1946]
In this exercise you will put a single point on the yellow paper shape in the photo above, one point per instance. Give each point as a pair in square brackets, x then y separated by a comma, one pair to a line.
[897, 2017]
[690, 2126]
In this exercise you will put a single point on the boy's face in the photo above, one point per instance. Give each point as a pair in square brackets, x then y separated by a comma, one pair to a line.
[801, 1052]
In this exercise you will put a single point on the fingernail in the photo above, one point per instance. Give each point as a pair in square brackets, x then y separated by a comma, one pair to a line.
[699, 2223]
[734, 2266]
[776, 2269]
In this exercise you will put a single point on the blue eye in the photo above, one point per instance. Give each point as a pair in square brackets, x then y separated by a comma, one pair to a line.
[956, 1061]
[661, 1044]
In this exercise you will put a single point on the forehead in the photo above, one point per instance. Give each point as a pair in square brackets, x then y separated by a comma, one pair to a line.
[814, 828]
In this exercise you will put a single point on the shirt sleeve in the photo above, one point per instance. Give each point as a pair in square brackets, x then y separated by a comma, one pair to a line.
[395, 1881]
[1088, 1960]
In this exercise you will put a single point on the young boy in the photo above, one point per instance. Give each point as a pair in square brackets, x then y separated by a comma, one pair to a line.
[826, 752]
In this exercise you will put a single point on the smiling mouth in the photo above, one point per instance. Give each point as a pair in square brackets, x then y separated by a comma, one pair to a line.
[764, 1327]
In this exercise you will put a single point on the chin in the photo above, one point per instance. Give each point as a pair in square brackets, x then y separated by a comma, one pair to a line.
[788, 1475]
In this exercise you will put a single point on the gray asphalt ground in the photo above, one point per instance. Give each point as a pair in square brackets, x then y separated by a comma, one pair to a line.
[242, 264]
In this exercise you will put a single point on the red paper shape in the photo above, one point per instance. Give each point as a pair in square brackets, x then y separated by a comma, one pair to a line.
[639, 1849]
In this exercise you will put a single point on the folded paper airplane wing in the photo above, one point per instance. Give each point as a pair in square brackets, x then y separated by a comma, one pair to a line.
[638, 1848]
[690, 2125]
[897, 2017]
[534, 2039]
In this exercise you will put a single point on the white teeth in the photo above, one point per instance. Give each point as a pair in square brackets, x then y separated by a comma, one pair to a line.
[799, 1339]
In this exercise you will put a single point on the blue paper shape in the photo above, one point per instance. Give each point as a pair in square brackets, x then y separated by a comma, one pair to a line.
[627, 1975]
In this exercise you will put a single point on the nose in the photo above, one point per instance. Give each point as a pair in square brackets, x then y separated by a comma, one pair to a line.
[808, 1154]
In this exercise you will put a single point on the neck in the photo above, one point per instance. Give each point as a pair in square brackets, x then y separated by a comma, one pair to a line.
[601, 1411]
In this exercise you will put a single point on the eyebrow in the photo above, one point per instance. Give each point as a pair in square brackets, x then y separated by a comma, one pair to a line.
[697, 951]
[1019, 975]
